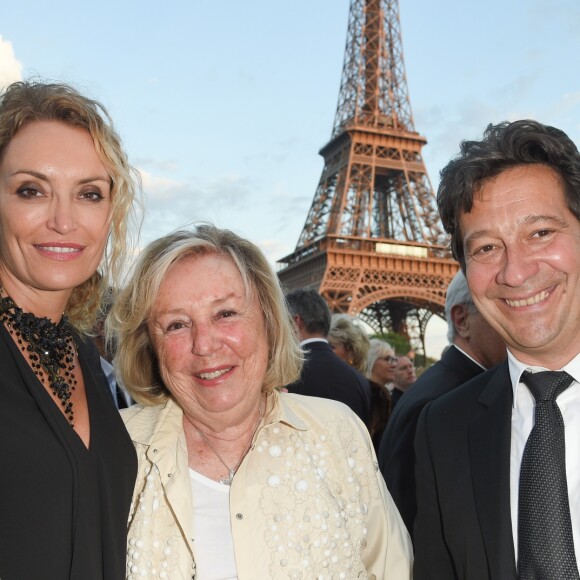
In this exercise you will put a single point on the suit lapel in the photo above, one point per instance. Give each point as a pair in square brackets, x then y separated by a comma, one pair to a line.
[489, 442]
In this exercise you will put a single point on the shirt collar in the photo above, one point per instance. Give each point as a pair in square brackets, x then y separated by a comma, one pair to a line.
[309, 340]
[517, 368]
[468, 356]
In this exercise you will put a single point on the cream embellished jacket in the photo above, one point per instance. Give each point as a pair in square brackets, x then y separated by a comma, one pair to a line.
[308, 501]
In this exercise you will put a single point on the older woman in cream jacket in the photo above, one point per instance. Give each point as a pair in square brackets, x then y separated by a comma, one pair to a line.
[238, 480]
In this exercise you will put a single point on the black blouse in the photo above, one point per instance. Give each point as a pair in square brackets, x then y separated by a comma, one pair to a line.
[63, 507]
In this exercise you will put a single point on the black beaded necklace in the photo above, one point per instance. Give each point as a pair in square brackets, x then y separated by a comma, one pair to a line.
[50, 348]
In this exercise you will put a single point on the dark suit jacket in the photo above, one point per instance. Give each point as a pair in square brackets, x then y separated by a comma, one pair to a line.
[396, 395]
[327, 376]
[397, 453]
[463, 525]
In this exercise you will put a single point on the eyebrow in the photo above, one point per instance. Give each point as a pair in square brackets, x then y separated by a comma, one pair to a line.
[44, 177]
[530, 219]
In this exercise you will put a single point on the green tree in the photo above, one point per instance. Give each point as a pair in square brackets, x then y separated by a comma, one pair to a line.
[399, 342]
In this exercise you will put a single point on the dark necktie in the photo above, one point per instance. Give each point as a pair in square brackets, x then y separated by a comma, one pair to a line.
[545, 542]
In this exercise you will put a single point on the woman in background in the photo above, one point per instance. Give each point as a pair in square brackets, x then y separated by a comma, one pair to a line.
[381, 366]
[349, 342]
[68, 466]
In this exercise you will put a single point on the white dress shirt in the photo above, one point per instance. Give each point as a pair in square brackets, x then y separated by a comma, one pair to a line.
[522, 423]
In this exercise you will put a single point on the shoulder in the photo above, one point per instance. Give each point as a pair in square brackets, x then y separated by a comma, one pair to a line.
[458, 406]
[87, 350]
[315, 405]
[317, 413]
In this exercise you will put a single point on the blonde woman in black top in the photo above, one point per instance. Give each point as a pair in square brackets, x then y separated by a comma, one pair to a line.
[68, 466]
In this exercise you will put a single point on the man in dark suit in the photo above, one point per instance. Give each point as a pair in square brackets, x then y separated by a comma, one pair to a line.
[498, 459]
[474, 347]
[324, 374]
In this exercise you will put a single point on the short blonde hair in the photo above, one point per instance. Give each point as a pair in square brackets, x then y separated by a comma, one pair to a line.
[378, 349]
[26, 102]
[346, 331]
[136, 361]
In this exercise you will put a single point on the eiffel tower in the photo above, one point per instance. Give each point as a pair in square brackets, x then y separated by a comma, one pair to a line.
[372, 244]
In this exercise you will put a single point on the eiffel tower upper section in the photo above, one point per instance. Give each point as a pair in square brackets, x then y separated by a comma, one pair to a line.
[386, 193]
[373, 233]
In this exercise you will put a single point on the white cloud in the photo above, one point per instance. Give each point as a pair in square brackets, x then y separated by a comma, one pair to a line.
[10, 66]
[159, 188]
[172, 204]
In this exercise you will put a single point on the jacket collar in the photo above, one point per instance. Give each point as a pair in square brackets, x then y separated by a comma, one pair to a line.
[282, 412]
[160, 426]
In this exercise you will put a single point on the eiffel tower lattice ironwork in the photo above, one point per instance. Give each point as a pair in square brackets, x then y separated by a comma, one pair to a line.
[372, 243]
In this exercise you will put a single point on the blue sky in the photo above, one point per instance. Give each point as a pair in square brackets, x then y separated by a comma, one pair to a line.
[223, 106]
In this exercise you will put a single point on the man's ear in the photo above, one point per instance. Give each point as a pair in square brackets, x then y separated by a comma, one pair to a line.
[460, 318]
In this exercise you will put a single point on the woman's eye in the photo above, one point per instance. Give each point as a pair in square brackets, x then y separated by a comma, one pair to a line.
[28, 192]
[176, 325]
[92, 195]
[226, 314]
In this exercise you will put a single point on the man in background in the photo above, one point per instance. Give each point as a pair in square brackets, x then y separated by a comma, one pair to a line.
[404, 378]
[324, 374]
[473, 347]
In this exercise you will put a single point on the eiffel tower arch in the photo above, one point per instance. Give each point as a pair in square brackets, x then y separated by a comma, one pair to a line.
[372, 244]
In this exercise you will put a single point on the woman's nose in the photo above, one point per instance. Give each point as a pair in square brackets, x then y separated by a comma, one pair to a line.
[62, 218]
[204, 340]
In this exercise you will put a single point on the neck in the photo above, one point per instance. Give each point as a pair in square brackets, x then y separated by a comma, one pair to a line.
[377, 380]
[43, 304]
[226, 428]
[552, 361]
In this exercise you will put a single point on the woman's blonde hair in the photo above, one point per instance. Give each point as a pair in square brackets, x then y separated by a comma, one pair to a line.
[135, 359]
[346, 331]
[25, 102]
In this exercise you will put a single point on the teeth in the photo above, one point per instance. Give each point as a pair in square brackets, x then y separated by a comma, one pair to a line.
[59, 249]
[213, 375]
[528, 301]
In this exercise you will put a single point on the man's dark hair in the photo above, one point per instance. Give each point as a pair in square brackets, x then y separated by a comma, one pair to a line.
[504, 146]
[312, 309]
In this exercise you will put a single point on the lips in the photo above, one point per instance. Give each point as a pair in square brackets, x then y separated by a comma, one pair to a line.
[536, 299]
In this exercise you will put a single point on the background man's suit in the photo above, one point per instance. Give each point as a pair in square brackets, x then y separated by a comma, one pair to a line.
[325, 375]
[397, 454]
[463, 527]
